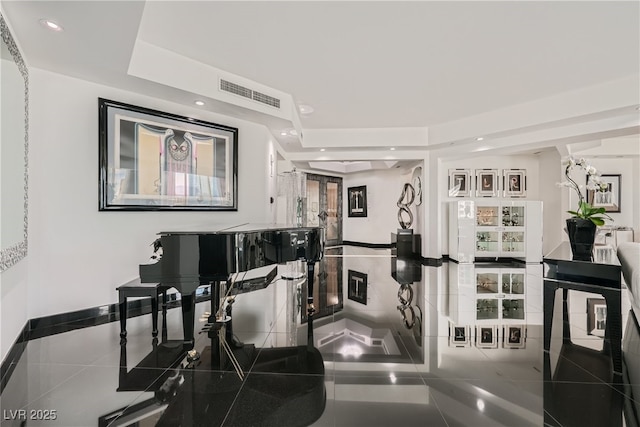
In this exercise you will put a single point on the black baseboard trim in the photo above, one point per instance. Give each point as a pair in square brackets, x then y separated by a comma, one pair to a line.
[501, 260]
[430, 262]
[64, 322]
[369, 245]
[479, 260]
[13, 356]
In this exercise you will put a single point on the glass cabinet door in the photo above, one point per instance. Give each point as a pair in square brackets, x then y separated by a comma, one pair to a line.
[500, 294]
[487, 241]
[513, 216]
[487, 216]
[487, 283]
[513, 241]
[487, 309]
[513, 309]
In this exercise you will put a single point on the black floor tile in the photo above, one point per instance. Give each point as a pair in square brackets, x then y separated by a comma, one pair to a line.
[383, 359]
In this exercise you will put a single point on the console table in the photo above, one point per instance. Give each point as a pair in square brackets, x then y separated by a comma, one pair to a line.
[599, 276]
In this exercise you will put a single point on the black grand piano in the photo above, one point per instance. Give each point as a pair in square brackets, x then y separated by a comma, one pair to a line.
[206, 390]
[194, 258]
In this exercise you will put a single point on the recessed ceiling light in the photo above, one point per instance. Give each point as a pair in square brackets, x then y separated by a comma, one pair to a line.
[392, 148]
[283, 133]
[305, 109]
[479, 138]
[51, 25]
[482, 148]
[198, 102]
[322, 149]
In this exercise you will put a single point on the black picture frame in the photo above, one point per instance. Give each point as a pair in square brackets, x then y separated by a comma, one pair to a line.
[357, 286]
[158, 161]
[610, 199]
[357, 201]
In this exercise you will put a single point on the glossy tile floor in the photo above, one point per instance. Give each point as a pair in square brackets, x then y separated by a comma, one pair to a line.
[395, 345]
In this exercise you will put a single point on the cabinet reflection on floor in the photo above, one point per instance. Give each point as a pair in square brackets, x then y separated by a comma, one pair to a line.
[391, 341]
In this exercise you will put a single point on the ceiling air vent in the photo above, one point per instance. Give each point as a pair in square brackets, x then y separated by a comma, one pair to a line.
[245, 92]
[266, 99]
[235, 89]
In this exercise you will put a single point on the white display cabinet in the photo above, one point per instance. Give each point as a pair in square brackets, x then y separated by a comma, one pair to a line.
[495, 228]
[493, 294]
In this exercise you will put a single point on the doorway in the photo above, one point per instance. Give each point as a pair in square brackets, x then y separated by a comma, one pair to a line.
[324, 206]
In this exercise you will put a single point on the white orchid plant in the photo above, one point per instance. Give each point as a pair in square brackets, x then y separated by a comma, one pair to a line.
[597, 215]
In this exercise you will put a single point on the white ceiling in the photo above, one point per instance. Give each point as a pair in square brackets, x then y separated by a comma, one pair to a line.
[361, 65]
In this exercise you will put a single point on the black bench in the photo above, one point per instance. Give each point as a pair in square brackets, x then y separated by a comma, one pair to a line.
[135, 288]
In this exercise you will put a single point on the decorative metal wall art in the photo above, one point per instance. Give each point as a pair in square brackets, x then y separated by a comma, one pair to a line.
[404, 203]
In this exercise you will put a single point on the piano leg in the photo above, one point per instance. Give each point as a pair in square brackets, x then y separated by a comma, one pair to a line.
[188, 316]
[310, 307]
[310, 276]
[154, 315]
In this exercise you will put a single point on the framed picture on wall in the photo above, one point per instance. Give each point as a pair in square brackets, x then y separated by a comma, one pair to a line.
[152, 160]
[459, 183]
[357, 201]
[459, 335]
[487, 336]
[609, 199]
[357, 287]
[514, 182]
[487, 183]
[514, 336]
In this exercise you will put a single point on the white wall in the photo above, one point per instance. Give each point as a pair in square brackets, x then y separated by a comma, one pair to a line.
[77, 255]
[383, 190]
[272, 180]
[528, 162]
[635, 184]
[551, 173]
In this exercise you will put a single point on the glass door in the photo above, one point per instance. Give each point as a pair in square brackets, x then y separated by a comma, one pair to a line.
[324, 206]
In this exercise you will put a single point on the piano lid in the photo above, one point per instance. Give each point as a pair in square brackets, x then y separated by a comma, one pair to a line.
[238, 228]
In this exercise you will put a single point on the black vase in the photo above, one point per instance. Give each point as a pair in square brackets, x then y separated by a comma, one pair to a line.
[582, 234]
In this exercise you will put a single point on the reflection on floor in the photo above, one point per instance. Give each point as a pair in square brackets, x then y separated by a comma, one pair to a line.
[392, 343]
